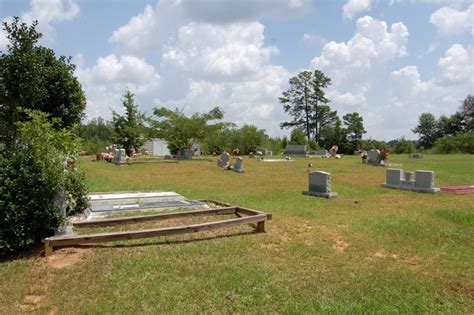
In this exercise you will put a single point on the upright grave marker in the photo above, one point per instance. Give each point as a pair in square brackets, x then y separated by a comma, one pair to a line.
[319, 185]
[239, 165]
[422, 181]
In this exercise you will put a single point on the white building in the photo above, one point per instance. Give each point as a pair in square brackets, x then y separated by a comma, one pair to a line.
[157, 147]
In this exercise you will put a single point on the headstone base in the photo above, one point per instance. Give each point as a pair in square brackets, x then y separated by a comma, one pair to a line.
[63, 231]
[419, 189]
[320, 194]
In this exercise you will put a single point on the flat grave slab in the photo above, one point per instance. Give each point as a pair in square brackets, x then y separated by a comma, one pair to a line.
[458, 190]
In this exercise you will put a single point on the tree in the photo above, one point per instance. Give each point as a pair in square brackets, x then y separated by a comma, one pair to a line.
[249, 138]
[129, 129]
[355, 126]
[97, 134]
[32, 77]
[302, 99]
[298, 137]
[450, 125]
[427, 130]
[181, 131]
[332, 134]
[403, 146]
[467, 112]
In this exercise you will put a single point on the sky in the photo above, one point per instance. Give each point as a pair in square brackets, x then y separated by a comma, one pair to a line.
[388, 60]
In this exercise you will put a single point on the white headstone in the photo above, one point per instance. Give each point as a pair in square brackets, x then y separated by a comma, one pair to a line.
[239, 165]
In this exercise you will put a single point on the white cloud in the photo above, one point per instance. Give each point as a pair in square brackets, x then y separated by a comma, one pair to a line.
[352, 64]
[440, 95]
[156, 29]
[450, 21]
[106, 81]
[47, 13]
[354, 7]
[458, 65]
[314, 39]
[219, 50]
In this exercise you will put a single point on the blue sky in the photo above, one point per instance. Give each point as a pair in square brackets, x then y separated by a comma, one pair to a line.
[389, 60]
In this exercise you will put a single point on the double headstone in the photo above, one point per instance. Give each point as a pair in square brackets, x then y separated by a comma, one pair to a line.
[295, 149]
[422, 181]
[239, 165]
[319, 185]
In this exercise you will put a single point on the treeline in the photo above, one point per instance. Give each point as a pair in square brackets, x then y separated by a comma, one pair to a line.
[448, 134]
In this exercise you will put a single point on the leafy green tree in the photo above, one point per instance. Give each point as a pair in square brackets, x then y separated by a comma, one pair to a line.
[459, 143]
[181, 131]
[450, 125]
[298, 137]
[97, 134]
[249, 138]
[32, 77]
[302, 99]
[354, 124]
[467, 112]
[403, 146]
[334, 134]
[427, 129]
[129, 130]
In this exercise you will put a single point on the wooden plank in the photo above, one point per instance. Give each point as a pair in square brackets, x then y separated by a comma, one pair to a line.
[261, 226]
[136, 219]
[128, 235]
[253, 212]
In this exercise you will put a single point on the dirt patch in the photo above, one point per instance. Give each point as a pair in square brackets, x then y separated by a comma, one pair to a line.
[382, 254]
[65, 257]
[32, 302]
[460, 288]
[340, 245]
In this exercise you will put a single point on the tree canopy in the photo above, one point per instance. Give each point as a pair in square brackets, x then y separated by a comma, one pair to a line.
[129, 128]
[181, 131]
[32, 77]
[302, 101]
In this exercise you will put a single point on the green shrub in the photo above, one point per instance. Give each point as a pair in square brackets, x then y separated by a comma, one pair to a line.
[404, 146]
[26, 200]
[460, 143]
[31, 175]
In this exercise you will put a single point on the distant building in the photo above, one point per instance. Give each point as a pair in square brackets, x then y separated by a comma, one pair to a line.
[156, 147]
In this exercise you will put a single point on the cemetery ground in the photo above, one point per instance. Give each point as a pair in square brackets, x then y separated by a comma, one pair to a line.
[371, 249]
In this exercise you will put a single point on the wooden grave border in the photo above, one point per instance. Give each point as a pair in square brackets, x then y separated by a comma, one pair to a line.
[244, 216]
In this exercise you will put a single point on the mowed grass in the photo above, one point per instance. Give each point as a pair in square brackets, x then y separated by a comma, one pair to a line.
[370, 250]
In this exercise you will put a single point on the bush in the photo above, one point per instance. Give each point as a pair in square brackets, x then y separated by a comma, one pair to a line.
[31, 176]
[460, 143]
[26, 199]
[404, 146]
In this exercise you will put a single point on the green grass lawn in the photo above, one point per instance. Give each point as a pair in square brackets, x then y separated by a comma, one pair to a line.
[370, 250]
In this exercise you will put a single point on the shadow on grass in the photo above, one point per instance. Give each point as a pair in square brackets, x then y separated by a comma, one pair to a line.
[31, 251]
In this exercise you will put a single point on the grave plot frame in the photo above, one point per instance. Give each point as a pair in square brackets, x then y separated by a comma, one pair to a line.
[244, 216]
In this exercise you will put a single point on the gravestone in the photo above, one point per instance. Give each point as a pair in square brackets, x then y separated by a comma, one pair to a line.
[394, 177]
[373, 157]
[421, 181]
[295, 149]
[416, 155]
[121, 157]
[409, 179]
[185, 154]
[322, 152]
[319, 185]
[116, 156]
[264, 151]
[239, 165]
[223, 159]
[60, 202]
